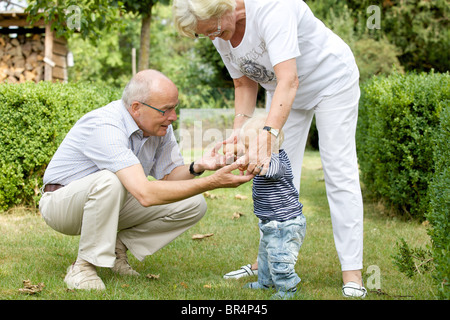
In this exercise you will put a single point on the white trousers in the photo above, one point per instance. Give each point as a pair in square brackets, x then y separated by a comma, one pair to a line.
[336, 118]
[99, 209]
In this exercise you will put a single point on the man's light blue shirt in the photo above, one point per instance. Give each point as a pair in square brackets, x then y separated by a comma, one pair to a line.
[109, 139]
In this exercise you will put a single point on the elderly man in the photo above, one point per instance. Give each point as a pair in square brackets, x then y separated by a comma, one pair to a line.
[96, 184]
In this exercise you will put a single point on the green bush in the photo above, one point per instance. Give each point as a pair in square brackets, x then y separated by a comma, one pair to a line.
[411, 261]
[438, 214]
[399, 117]
[34, 120]
[376, 57]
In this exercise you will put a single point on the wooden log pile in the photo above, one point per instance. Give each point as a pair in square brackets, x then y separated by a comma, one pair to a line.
[22, 58]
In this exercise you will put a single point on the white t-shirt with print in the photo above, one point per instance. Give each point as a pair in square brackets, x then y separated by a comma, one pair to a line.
[279, 30]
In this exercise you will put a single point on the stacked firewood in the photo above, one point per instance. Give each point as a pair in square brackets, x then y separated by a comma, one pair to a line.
[22, 58]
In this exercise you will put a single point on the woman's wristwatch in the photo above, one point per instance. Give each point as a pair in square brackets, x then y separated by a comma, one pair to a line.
[273, 131]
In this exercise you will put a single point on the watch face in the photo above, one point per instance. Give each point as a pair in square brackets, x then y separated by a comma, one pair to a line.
[271, 130]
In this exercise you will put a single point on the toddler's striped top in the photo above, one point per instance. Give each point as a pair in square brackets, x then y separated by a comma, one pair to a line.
[274, 194]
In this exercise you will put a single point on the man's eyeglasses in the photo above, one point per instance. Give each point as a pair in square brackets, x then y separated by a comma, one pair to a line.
[163, 112]
[213, 34]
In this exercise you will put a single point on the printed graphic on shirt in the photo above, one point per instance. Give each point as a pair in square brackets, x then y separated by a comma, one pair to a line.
[246, 63]
[256, 72]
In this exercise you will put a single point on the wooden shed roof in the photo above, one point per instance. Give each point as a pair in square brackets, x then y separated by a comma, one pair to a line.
[19, 19]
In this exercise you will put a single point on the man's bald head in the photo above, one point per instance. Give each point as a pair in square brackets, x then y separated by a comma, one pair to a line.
[146, 83]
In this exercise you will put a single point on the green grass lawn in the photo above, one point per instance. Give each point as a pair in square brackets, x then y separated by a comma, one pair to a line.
[192, 269]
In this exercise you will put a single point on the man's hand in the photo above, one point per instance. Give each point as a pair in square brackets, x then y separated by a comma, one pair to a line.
[213, 160]
[233, 148]
[225, 178]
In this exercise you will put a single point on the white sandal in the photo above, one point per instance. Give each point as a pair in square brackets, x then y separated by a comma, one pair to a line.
[353, 290]
[244, 271]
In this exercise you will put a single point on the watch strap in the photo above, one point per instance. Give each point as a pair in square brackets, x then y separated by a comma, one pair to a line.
[191, 170]
[272, 131]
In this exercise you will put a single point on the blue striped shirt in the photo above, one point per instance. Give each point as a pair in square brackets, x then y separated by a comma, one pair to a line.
[274, 194]
[109, 139]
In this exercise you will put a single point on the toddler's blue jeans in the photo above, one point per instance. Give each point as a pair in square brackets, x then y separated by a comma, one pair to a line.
[278, 252]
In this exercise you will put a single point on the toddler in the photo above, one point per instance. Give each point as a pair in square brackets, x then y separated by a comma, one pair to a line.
[282, 224]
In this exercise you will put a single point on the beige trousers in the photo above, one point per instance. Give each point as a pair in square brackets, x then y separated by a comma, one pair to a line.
[99, 209]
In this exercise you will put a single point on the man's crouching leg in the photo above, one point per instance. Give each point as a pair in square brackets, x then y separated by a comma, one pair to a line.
[88, 207]
[146, 230]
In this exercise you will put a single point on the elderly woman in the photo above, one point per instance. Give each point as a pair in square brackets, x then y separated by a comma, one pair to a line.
[307, 71]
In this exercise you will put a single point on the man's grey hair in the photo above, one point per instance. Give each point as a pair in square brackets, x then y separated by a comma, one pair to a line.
[138, 89]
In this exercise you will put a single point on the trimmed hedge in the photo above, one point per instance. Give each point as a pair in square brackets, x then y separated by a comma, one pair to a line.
[403, 142]
[398, 122]
[438, 215]
[34, 120]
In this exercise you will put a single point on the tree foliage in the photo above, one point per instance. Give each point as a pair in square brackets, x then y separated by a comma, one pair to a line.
[413, 35]
[419, 29]
[92, 19]
[194, 65]
[143, 9]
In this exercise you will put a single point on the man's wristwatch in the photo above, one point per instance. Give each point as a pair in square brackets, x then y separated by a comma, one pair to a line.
[273, 131]
[191, 170]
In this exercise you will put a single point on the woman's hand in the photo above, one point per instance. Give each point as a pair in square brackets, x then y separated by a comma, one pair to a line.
[257, 158]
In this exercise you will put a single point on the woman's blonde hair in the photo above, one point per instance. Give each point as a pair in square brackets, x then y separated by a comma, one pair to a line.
[253, 127]
[186, 13]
